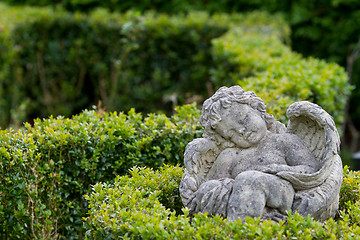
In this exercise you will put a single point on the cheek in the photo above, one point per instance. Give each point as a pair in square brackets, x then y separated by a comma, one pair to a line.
[258, 127]
[257, 124]
[263, 125]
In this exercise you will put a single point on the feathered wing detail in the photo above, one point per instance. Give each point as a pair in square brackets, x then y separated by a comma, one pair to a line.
[199, 156]
[315, 127]
[318, 131]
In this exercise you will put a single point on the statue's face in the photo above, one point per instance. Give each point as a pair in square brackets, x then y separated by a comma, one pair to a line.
[242, 125]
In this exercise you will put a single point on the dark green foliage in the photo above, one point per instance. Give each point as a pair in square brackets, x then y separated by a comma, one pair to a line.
[56, 63]
[46, 169]
[132, 208]
[316, 25]
[260, 62]
[350, 190]
[171, 6]
[323, 29]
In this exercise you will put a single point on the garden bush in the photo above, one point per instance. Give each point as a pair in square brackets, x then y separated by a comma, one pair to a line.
[172, 6]
[55, 62]
[261, 62]
[46, 169]
[316, 25]
[323, 29]
[133, 207]
[60, 63]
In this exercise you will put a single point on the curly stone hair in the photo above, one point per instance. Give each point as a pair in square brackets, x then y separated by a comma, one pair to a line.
[224, 98]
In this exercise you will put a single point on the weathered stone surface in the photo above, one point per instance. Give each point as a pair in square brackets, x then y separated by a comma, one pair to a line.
[248, 164]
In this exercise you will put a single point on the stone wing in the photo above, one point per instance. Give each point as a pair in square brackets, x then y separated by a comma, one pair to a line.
[318, 131]
[199, 156]
[318, 193]
[316, 128]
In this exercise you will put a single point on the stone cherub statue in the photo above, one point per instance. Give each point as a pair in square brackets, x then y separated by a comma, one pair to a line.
[247, 164]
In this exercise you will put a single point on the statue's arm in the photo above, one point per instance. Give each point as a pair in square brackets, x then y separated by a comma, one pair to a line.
[298, 157]
[275, 168]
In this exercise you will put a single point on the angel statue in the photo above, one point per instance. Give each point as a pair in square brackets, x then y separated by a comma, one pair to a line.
[249, 165]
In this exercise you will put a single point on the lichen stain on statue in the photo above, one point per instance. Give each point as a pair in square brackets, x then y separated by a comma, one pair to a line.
[248, 164]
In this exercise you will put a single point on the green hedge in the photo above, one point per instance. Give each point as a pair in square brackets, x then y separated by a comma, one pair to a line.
[46, 169]
[316, 25]
[133, 207]
[172, 6]
[60, 63]
[278, 75]
[55, 62]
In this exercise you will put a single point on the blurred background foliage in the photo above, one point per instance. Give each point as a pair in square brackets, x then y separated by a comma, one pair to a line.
[327, 29]
[58, 63]
[70, 56]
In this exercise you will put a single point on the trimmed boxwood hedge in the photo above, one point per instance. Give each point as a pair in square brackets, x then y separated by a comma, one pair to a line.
[145, 205]
[46, 169]
[55, 62]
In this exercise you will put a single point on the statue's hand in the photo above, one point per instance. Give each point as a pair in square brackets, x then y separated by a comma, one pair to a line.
[274, 215]
[306, 203]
